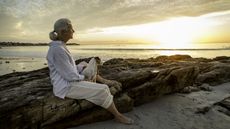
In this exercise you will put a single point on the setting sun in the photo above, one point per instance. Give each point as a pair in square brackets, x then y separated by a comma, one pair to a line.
[171, 34]
[180, 32]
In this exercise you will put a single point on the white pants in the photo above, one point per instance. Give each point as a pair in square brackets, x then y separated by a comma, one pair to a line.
[96, 93]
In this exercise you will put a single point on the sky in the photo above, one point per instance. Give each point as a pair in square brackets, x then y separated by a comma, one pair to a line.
[118, 21]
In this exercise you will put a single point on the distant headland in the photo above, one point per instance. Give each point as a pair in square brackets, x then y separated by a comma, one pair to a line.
[8, 44]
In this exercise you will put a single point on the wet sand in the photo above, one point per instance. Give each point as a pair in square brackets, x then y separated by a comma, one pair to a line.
[176, 111]
[9, 65]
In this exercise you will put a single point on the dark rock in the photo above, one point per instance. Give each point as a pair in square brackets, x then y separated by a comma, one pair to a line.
[173, 58]
[223, 110]
[214, 74]
[116, 61]
[224, 106]
[203, 109]
[205, 87]
[27, 101]
[201, 59]
[219, 58]
[131, 78]
[225, 103]
[189, 89]
[166, 81]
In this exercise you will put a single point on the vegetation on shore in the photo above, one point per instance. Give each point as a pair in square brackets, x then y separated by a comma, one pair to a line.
[2, 44]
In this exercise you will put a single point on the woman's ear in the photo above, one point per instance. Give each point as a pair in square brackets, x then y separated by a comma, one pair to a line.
[62, 32]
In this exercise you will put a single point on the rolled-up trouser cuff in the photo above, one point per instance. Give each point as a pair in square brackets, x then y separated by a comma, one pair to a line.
[108, 102]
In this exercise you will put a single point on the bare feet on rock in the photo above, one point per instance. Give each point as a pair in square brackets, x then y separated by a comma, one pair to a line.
[124, 120]
[112, 83]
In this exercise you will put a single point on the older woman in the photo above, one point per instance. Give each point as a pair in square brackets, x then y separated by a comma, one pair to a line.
[72, 81]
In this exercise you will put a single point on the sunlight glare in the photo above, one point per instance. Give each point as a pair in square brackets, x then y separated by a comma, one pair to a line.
[170, 34]
[180, 32]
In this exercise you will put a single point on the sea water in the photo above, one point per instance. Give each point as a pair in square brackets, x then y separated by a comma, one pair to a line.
[26, 58]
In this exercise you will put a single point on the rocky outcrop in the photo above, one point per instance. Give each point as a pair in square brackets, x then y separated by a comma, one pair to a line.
[224, 106]
[27, 101]
[214, 73]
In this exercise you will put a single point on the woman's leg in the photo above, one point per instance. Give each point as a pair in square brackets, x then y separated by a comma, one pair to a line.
[98, 94]
[118, 116]
[92, 70]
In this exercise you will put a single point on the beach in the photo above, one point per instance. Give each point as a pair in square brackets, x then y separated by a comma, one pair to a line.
[176, 111]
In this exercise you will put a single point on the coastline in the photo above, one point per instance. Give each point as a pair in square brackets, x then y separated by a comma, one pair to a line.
[15, 44]
[176, 111]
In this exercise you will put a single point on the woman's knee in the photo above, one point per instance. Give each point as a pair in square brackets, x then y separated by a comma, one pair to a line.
[93, 61]
[105, 88]
[96, 60]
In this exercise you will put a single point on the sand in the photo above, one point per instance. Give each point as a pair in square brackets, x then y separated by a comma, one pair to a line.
[176, 111]
[20, 64]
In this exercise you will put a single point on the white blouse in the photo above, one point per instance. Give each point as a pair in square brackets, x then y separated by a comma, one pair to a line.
[62, 68]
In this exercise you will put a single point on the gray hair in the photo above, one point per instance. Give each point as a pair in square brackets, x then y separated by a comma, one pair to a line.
[60, 24]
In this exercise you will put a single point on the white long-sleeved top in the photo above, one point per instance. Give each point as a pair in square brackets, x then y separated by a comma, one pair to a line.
[62, 68]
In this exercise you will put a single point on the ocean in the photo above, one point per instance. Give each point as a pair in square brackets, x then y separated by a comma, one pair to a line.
[27, 58]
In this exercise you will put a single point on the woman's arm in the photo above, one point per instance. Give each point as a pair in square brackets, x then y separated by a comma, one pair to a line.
[64, 67]
[81, 66]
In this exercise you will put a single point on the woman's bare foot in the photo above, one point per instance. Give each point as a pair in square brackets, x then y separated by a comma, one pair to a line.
[123, 119]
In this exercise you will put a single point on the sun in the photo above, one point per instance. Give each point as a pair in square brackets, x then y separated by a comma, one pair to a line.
[175, 33]
[178, 33]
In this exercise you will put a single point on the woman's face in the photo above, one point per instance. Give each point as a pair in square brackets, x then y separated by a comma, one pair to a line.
[68, 34]
[71, 31]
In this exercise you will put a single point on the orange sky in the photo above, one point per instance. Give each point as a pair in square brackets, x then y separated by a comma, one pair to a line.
[110, 21]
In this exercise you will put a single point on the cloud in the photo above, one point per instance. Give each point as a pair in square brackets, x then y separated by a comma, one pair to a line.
[7, 24]
[38, 16]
